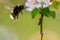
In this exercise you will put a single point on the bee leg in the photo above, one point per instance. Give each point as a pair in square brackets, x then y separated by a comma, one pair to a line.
[17, 16]
[21, 12]
[14, 17]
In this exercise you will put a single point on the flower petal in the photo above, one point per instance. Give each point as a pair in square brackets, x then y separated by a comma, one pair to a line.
[46, 4]
[46, 1]
[27, 4]
[38, 5]
[38, 1]
[29, 0]
[29, 9]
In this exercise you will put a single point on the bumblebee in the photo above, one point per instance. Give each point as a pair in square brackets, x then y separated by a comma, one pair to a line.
[15, 12]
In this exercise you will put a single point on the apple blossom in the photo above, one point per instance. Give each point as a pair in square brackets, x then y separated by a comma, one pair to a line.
[31, 4]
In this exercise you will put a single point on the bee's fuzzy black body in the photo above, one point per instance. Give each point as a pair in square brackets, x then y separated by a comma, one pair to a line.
[17, 9]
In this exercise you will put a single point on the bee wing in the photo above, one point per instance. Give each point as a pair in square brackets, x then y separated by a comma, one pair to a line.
[7, 4]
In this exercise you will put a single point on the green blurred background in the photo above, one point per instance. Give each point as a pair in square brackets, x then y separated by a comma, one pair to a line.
[25, 26]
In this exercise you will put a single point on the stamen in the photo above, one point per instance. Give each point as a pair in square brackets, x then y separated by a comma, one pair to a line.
[33, 2]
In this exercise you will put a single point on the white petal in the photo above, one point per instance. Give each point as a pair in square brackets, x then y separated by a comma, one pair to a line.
[46, 1]
[38, 5]
[29, 9]
[46, 4]
[50, 3]
[29, 0]
[27, 4]
[11, 17]
[38, 1]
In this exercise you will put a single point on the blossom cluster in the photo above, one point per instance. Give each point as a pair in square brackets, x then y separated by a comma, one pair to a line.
[31, 4]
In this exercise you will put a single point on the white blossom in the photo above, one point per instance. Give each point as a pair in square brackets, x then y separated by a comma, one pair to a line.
[31, 4]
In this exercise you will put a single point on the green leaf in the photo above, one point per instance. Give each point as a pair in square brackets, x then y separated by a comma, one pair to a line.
[35, 12]
[56, 4]
[52, 14]
[46, 12]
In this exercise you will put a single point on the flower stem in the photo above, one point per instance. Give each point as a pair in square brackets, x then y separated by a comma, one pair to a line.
[41, 24]
[41, 27]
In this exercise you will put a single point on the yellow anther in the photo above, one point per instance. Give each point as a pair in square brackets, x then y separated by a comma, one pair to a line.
[33, 2]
